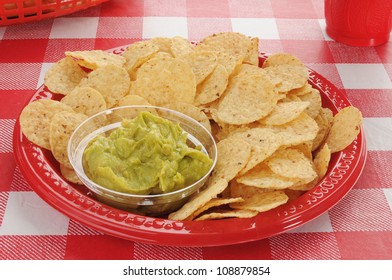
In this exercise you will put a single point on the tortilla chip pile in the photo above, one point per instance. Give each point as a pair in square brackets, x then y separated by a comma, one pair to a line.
[274, 138]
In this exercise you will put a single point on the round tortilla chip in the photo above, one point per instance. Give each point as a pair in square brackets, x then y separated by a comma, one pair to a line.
[233, 155]
[314, 99]
[138, 53]
[240, 190]
[111, 81]
[229, 61]
[345, 128]
[264, 142]
[62, 126]
[299, 130]
[248, 99]
[212, 87]
[247, 69]
[282, 59]
[252, 55]
[324, 121]
[285, 112]
[162, 81]
[163, 43]
[288, 77]
[201, 62]
[293, 164]
[85, 100]
[262, 177]
[321, 161]
[215, 202]
[307, 88]
[64, 76]
[181, 46]
[262, 202]
[35, 120]
[233, 43]
[96, 58]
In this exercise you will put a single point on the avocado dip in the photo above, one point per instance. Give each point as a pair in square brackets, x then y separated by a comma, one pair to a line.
[145, 155]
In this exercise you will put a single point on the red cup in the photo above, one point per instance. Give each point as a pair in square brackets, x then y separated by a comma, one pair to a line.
[359, 22]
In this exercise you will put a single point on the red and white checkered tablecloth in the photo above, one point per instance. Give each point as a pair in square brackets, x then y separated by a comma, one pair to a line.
[358, 227]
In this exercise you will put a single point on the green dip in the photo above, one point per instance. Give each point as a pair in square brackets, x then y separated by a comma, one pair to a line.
[145, 155]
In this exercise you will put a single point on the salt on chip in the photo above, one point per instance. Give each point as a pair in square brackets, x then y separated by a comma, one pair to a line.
[35, 120]
[251, 98]
[61, 128]
[345, 128]
[236, 213]
[288, 77]
[233, 155]
[181, 46]
[321, 160]
[198, 200]
[138, 53]
[291, 163]
[64, 76]
[285, 112]
[85, 100]
[264, 142]
[213, 86]
[111, 81]
[161, 81]
[70, 175]
[262, 202]
[96, 58]
[201, 62]
[191, 111]
[262, 177]
[215, 202]
[282, 59]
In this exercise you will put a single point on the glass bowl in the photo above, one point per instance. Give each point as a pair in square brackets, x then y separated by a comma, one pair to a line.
[151, 204]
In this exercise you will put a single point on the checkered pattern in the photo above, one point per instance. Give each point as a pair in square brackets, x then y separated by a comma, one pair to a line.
[359, 227]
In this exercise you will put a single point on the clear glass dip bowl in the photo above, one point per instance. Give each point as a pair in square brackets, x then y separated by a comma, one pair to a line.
[150, 205]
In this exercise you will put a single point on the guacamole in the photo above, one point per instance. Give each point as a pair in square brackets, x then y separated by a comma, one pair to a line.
[145, 155]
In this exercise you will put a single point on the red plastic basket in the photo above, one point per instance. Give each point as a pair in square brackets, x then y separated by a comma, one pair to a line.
[20, 11]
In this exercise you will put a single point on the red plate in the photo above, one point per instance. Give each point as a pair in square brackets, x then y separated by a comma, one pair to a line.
[42, 173]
